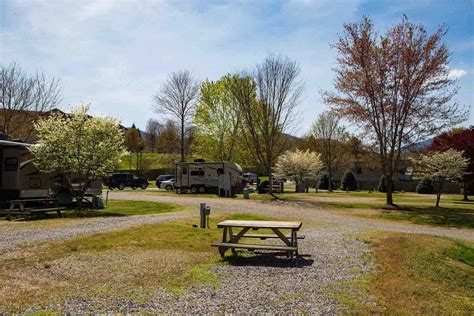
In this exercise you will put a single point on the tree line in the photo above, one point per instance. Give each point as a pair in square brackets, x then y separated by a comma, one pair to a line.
[394, 87]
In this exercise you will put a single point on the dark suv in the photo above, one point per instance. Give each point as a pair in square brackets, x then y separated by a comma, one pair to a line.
[163, 177]
[122, 180]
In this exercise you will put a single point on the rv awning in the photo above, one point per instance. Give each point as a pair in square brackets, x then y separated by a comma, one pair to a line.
[7, 143]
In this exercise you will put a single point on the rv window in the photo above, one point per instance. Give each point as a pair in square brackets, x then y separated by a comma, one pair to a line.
[185, 170]
[197, 173]
[220, 171]
[11, 164]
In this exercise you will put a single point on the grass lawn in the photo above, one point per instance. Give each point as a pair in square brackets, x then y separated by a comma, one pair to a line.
[419, 274]
[125, 264]
[450, 214]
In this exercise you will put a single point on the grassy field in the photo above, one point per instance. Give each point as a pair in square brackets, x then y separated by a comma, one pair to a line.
[418, 274]
[418, 209]
[123, 264]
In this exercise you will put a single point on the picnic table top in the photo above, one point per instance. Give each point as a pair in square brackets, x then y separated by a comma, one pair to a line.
[260, 224]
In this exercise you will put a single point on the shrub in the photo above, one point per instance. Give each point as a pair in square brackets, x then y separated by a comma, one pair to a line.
[324, 182]
[349, 182]
[425, 186]
[383, 186]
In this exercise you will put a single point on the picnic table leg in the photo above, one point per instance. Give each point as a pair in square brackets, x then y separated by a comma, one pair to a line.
[10, 211]
[296, 241]
[222, 250]
[231, 238]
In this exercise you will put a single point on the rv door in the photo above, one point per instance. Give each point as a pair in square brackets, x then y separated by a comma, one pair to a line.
[183, 175]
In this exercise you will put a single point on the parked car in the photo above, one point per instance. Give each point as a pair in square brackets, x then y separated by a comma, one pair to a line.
[163, 177]
[167, 184]
[123, 180]
[250, 177]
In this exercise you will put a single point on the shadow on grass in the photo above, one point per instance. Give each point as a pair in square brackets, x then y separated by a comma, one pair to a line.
[461, 217]
[441, 216]
[261, 259]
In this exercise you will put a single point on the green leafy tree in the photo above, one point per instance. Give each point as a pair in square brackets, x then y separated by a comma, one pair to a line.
[135, 145]
[81, 148]
[217, 121]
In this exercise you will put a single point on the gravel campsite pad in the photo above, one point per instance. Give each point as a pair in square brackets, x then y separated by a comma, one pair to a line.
[259, 283]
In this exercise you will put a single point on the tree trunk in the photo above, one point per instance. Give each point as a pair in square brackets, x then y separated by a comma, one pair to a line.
[465, 198]
[389, 189]
[182, 140]
[440, 190]
[270, 183]
[329, 182]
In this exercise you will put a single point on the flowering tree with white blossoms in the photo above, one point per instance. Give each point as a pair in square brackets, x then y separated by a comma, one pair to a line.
[79, 147]
[298, 164]
[443, 166]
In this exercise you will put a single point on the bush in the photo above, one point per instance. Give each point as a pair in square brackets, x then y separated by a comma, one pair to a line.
[425, 186]
[324, 182]
[349, 182]
[383, 186]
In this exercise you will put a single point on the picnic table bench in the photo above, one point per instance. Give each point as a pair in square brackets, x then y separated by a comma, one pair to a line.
[18, 207]
[231, 240]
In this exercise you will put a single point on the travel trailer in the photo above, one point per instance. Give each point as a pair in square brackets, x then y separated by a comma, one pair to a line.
[20, 179]
[223, 178]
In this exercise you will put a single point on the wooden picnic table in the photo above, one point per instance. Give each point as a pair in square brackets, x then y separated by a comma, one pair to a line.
[18, 207]
[231, 240]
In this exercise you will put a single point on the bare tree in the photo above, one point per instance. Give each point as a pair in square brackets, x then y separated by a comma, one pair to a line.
[329, 136]
[178, 97]
[152, 132]
[395, 86]
[23, 99]
[268, 100]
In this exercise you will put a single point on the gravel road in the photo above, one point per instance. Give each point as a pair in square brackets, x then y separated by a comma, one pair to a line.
[297, 210]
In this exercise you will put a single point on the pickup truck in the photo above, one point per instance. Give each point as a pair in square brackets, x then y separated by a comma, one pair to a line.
[123, 180]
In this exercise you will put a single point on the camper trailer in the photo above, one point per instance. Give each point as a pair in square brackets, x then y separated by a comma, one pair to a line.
[18, 176]
[223, 178]
[20, 179]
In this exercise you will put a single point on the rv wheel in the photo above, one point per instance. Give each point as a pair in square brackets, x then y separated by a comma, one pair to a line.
[202, 189]
[194, 190]
[121, 186]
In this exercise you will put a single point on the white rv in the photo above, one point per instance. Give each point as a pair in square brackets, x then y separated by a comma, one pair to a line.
[223, 178]
[18, 176]
[20, 179]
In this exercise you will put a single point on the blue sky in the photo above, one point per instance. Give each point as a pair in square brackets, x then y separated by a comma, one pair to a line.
[115, 54]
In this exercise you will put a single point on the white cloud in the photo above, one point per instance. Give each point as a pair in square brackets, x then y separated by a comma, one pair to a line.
[115, 54]
[96, 8]
[456, 73]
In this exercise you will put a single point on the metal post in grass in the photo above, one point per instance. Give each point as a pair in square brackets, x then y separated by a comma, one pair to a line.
[203, 215]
